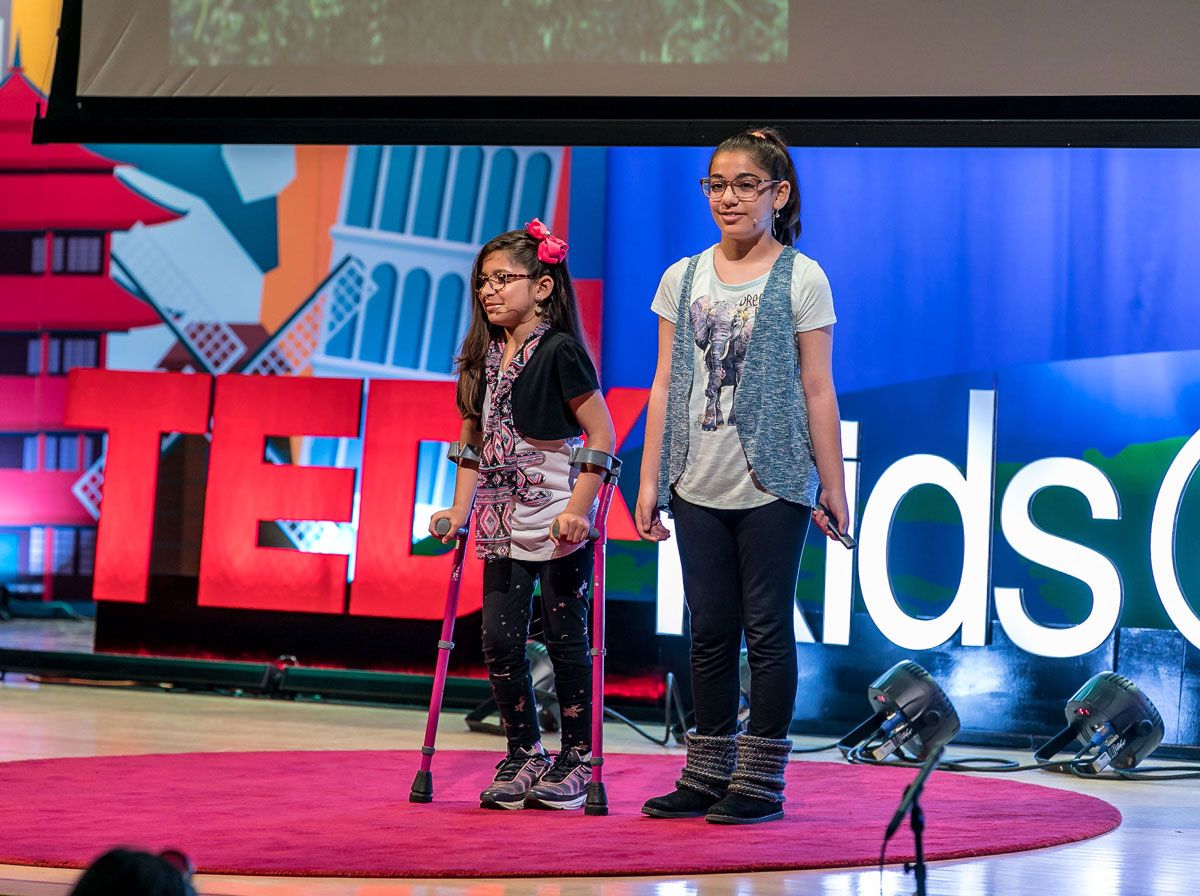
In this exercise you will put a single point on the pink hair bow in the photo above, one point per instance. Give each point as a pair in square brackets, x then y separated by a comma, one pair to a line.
[551, 249]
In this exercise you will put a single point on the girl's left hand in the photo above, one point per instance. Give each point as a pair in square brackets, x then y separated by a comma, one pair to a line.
[836, 502]
[570, 528]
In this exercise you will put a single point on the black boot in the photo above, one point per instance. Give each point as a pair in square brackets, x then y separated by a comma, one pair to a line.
[705, 778]
[756, 790]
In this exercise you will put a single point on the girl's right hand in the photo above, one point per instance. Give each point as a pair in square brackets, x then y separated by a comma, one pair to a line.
[646, 518]
[457, 518]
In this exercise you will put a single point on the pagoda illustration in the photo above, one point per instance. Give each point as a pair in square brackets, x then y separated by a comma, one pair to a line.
[59, 205]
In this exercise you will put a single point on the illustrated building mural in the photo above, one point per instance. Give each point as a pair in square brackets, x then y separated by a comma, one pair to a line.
[58, 304]
[416, 216]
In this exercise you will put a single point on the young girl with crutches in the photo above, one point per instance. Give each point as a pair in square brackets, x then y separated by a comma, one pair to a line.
[527, 392]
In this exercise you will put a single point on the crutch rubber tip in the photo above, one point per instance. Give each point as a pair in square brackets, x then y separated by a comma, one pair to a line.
[597, 800]
[422, 788]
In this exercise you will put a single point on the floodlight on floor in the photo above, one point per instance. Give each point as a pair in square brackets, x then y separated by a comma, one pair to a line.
[910, 710]
[1114, 721]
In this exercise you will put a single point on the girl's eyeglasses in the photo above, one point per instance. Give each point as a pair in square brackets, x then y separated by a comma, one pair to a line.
[499, 281]
[747, 187]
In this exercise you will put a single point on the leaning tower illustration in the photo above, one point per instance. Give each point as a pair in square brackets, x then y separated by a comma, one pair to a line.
[415, 216]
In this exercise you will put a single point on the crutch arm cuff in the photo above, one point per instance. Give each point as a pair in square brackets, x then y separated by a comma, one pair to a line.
[464, 453]
[609, 464]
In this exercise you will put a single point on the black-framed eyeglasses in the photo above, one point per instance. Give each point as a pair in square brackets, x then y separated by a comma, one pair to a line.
[499, 280]
[747, 186]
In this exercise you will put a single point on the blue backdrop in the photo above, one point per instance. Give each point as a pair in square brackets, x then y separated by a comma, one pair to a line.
[942, 261]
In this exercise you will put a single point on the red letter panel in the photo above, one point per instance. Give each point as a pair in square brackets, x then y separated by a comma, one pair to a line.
[135, 408]
[242, 490]
[389, 580]
[626, 406]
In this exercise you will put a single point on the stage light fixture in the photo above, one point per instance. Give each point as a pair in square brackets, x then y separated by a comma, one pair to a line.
[909, 710]
[1114, 721]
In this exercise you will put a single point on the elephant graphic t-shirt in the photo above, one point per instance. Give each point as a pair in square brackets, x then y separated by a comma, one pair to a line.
[717, 473]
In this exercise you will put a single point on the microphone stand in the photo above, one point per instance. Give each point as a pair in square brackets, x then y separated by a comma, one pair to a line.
[917, 866]
[910, 805]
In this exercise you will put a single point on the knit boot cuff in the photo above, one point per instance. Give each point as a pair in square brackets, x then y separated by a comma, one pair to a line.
[710, 764]
[761, 763]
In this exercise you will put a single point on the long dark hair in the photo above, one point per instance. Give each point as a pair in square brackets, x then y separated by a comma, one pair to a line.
[560, 309]
[769, 150]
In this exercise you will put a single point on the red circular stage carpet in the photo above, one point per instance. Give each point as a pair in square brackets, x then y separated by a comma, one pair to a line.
[346, 814]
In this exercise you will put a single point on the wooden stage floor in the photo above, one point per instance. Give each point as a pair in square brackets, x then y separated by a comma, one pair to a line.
[1153, 852]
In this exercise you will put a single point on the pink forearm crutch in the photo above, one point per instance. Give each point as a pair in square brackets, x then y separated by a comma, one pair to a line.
[422, 786]
[610, 468]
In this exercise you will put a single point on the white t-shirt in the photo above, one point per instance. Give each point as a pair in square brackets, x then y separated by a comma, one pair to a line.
[717, 473]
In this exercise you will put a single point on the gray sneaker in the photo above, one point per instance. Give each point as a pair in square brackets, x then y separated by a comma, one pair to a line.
[515, 774]
[564, 785]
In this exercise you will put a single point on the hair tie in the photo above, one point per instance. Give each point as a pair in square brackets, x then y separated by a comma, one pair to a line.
[759, 134]
[551, 249]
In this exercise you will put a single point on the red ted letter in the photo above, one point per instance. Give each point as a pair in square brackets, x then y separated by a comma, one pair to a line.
[136, 409]
[388, 579]
[626, 406]
[243, 490]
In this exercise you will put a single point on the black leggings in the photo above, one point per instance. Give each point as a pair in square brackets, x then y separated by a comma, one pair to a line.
[740, 569]
[507, 605]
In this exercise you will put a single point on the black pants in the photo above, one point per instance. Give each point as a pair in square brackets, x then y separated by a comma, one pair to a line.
[507, 605]
[739, 575]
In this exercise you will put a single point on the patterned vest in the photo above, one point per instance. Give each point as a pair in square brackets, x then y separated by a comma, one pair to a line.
[772, 414]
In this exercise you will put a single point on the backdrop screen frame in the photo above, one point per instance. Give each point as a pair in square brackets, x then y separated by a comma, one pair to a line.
[1165, 120]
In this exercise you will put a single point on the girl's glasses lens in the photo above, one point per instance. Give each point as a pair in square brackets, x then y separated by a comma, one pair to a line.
[499, 281]
[743, 188]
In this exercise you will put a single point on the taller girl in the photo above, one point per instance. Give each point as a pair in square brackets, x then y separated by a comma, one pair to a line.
[742, 446]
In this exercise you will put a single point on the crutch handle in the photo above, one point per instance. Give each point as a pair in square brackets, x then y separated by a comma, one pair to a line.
[593, 533]
[442, 528]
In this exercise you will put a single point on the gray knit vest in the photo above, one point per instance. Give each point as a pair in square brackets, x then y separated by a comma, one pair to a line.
[769, 405]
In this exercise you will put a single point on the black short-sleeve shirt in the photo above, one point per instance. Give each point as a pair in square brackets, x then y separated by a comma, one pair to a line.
[559, 371]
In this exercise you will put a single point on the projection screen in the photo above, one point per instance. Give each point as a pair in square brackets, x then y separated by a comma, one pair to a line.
[660, 67]
[719, 48]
